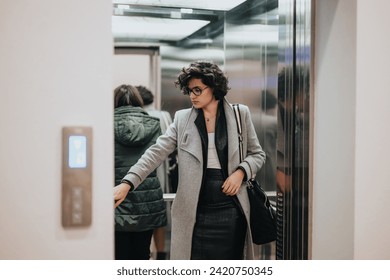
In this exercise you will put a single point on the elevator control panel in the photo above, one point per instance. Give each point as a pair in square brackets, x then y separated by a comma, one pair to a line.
[76, 176]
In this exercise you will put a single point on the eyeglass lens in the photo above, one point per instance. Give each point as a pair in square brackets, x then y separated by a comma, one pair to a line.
[196, 90]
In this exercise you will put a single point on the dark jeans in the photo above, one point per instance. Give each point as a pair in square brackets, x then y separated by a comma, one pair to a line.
[133, 245]
[220, 228]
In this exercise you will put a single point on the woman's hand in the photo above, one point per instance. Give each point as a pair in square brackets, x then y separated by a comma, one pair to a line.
[120, 193]
[233, 183]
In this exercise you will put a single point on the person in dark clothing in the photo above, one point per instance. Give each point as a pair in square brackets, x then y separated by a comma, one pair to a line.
[143, 210]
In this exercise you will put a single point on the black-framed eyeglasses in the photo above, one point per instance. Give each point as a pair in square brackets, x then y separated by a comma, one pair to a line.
[196, 90]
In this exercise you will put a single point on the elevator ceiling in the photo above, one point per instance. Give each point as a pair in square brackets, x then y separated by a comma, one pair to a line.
[178, 23]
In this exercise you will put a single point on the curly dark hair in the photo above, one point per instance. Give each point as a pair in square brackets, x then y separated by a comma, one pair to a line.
[210, 74]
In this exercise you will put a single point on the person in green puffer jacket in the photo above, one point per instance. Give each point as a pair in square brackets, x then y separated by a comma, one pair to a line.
[144, 209]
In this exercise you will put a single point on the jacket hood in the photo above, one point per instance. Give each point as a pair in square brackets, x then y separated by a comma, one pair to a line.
[134, 127]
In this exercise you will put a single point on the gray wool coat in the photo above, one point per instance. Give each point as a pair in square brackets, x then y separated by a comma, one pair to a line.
[184, 135]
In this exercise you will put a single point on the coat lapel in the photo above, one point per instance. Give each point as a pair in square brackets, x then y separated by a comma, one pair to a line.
[191, 141]
[233, 154]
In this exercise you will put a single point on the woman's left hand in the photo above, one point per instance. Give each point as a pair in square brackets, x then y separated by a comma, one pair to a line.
[233, 183]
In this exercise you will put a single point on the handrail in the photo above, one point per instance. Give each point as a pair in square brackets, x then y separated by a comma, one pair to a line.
[171, 196]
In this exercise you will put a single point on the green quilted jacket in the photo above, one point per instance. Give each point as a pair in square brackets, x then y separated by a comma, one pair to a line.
[144, 208]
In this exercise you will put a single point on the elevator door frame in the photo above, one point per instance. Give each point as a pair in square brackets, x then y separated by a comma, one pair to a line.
[294, 202]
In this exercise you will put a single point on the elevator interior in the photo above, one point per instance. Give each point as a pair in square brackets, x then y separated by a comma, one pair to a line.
[255, 42]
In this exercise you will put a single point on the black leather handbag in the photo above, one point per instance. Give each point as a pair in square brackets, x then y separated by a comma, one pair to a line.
[262, 214]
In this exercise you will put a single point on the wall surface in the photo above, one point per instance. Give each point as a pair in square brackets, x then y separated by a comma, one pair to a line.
[334, 130]
[372, 186]
[131, 69]
[351, 185]
[55, 71]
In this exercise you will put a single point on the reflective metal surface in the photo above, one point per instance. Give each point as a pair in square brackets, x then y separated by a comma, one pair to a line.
[251, 59]
[245, 44]
[293, 129]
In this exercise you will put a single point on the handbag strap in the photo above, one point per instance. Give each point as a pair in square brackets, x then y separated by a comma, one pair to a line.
[237, 115]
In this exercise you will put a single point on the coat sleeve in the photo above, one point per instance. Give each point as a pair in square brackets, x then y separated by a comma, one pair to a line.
[153, 157]
[254, 156]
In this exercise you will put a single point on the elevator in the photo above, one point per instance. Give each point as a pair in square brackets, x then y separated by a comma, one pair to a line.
[265, 48]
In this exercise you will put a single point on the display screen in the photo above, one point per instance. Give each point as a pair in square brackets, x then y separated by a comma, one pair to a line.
[77, 151]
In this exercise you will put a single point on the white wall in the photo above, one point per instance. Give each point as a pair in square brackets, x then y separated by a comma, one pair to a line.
[334, 130]
[372, 187]
[133, 69]
[55, 70]
[351, 186]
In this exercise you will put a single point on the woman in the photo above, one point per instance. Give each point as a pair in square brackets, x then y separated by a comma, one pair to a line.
[142, 210]
[210, 212]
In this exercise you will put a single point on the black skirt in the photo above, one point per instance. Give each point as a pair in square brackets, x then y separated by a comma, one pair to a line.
[220, 228]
